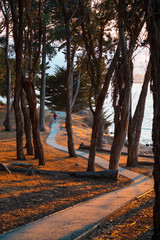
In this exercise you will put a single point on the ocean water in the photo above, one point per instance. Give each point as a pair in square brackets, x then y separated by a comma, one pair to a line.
[146, 132]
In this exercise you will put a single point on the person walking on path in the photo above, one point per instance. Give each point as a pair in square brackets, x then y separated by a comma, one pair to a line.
[55, 116]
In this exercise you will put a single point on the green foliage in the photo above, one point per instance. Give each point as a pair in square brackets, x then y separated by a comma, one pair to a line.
[56, 91]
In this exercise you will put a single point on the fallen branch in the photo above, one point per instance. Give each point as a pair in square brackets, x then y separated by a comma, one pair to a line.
[20, 164]
[107, 174]
[4, 167]
[145, 163]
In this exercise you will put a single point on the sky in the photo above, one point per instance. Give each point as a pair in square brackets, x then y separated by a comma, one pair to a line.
[141, 57]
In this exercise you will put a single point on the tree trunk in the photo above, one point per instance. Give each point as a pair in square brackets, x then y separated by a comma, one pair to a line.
[118, 141]
[122, 110]
[31, 97]
[153, 25]
[28, 84]
[100, 132]
[7, 122]
[43, 83]
[92, 152]
[27, 124]
[18, 116]
[18, 41]
[135, 123]
[71, 149]
[97, 114]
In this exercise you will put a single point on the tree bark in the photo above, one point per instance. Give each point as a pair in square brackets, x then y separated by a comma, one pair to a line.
[28, 84]
[18, 41]
[43, 82]
[122, 110]
[97, 114]
[135, 123]
[31, 97]
[71, 148]
[153, 26]
[7, 122]
[100, 132]
[27, 124]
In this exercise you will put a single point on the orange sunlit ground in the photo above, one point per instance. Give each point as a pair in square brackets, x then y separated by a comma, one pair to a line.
[24, 198]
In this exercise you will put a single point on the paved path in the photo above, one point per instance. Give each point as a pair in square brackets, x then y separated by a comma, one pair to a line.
[72, 222]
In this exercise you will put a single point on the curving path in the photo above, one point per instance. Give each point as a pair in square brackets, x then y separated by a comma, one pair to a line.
[73, 222]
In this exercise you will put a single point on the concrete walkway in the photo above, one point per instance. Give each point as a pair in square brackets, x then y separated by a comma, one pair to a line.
[74, 221]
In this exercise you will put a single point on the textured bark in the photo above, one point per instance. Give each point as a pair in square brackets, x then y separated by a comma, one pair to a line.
[18, 41]
[67, 20]
[153, 26]
[71, 149]
[18, 27]
[43, 83]
[7, 123]
[97, 114]
[135, 123]
[100, 132]
[95, 69]
[119, 137]
[122, 109]
[27, 123]
[28, 84]
[31, 97]
[5, 11]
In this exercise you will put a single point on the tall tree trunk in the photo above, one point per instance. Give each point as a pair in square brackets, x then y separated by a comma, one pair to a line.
[123, 109]
[18, 116]
[18, 41]
[7, 122]
[153, 25]
[28, 84]
[118, 141]
[135, 123]
[71, 148]
[92, 152]
[27, 124]
[97, 114]
[31, 97]
[43, 82]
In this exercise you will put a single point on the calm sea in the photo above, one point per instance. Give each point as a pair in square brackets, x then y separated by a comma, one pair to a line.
[148, 115]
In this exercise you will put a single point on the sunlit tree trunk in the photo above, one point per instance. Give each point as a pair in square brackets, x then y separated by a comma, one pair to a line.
[67, 20]
[71, 149]
[122, 109]
[28, 83]
[97, 114]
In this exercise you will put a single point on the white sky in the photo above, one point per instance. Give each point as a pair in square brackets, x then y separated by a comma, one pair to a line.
[141, 57]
